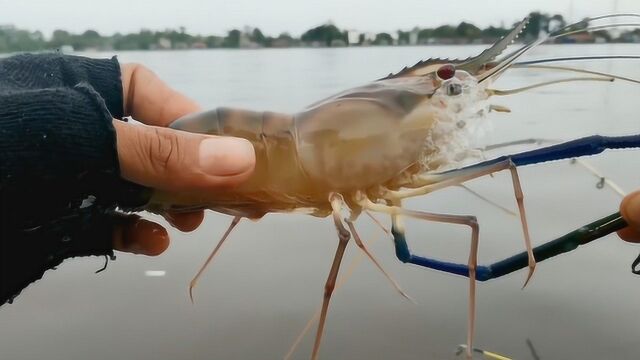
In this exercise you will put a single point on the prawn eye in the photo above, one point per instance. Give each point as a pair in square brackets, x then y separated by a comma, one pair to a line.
[454, 89]
[446, 72]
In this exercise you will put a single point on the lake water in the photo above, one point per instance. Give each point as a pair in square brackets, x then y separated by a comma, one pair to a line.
[268, 280]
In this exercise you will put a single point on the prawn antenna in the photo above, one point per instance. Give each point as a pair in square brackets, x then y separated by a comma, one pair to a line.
[567, 68]
[487, 200]
[576, 58]
[377, 222]
[545, 83]
[485, 353]
[583, 25]
[509, 60]
[602, 180]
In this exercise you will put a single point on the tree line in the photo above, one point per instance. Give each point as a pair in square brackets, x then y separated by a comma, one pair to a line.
[13, 39]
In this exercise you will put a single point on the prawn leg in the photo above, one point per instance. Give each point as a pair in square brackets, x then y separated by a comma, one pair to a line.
[343, 236]
[404, 254]
[194, 281]
[365, 250]
[465, 174]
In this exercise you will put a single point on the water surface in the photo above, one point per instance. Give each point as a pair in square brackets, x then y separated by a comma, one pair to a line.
[269, 278]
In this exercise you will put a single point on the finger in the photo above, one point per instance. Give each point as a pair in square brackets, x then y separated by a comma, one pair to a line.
[135, 235]
[630, 234]
[630, 209]
[185, 222]
[149, 100]
[171, 160]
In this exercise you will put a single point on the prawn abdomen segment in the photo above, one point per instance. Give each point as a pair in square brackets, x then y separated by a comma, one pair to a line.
[277, 183]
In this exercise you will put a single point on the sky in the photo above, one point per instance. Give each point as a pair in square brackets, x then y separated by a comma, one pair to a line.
[275, 16]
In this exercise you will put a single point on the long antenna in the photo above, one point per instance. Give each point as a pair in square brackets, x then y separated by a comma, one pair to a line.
[571, 19]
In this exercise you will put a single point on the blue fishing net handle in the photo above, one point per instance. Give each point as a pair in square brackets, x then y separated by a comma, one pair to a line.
[563, 244]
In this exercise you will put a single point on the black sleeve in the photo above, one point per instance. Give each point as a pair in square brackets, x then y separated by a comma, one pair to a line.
[59, 173]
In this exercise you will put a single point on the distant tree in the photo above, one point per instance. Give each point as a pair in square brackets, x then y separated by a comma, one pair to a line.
[140, 41]
[60, 38]
[91, 35]
[605, 34]
[383, 39]
[283, 40]
[213, 41]
[258, 37]
[468, 31]
[556, 22]
[324, 34]
[126, 42]
[628, 36]
[38, 36]
[425, 34]
[403, 37]
[89, 38]
[494, 32]
[179, 37]
[146, 38]
[538, 22]
[232, 40]
[12, 39]
[445, 31]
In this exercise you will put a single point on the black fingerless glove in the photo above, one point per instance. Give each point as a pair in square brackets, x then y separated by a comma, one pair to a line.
[59, 174]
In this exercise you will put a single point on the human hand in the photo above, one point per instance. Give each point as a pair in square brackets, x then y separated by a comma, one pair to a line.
[630, 210]
[161, 158]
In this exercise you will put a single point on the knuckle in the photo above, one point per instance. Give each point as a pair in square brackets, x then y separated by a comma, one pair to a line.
[136, 69]
[164, 150]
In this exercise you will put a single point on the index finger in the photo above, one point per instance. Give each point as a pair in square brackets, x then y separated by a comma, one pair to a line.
[150, 100]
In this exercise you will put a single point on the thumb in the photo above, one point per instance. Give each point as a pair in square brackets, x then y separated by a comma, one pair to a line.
[173, 160]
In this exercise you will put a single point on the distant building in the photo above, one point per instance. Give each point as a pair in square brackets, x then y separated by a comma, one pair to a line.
[66, 49]
[395, 36]
[580, 38]
[163, 44]
[413, 36]
[630, 37]
[180, 46]
[245, 41]
[281, 43]
[369, 38]
[353, 37]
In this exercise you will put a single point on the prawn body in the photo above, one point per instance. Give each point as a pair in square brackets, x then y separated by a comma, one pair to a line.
[375, 136]
[369, 148]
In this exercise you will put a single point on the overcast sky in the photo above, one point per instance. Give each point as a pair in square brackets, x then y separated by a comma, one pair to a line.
[276, 16]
